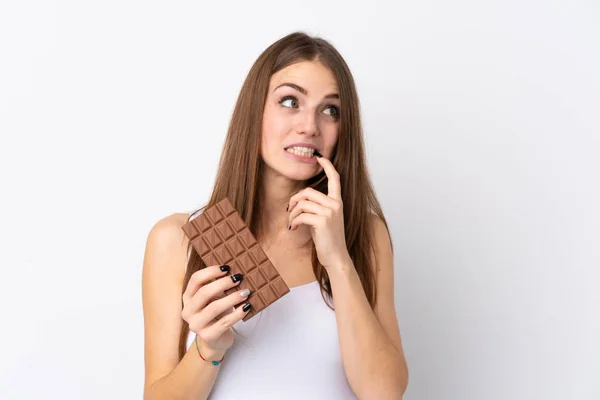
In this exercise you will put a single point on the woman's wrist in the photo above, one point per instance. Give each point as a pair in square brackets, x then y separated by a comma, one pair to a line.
[207, 353]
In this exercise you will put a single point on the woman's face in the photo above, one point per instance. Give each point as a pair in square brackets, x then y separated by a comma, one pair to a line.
[301, 116]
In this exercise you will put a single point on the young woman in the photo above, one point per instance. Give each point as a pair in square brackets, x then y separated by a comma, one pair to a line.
[293, 166]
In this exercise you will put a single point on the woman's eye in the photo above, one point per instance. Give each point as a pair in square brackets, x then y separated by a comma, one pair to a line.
[335, 112]
[289, 100]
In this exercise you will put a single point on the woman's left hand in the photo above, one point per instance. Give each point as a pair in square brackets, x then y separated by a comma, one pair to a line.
[325, 215]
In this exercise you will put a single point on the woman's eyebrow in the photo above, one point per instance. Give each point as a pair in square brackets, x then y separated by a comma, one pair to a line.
[304, 91]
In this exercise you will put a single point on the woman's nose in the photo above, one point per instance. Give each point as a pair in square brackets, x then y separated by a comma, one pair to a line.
[308, 123]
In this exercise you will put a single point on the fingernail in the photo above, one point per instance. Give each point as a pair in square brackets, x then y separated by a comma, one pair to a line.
[225, 268]
[318, 154]
[245, 293]
[287, 208]
[236, 278]
[246, 307]
[289, 227]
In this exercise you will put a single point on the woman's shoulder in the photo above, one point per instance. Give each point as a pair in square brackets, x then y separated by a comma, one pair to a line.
[167, 241]
[169, 227]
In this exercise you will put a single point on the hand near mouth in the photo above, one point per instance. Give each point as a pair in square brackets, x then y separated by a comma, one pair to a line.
[325, 215]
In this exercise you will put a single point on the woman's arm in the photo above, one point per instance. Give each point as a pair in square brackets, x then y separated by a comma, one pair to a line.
[190, 379]
[370, 341]
[162, 277]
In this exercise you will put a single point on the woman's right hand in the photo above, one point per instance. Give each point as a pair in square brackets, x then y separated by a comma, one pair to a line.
[203, 302]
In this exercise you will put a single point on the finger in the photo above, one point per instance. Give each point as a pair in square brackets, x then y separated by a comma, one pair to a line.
[214, 290]
[307, 206]
[217, 329]
[218, 307]
[334, 189]
[312, 195]
[306, 219]
[202, 277]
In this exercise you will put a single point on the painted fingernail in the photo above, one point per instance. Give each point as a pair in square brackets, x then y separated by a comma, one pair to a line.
[287, 208]
[318, 154]
[225, 268]
[246, 307]
[236, 278]
[289, 227]
[245, 293]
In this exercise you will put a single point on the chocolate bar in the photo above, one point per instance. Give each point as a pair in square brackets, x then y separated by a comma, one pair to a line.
[220, 236]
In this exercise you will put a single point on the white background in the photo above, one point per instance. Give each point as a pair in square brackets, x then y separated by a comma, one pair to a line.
[482, 126]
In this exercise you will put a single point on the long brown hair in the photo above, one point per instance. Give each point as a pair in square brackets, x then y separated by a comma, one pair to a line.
[239, 171]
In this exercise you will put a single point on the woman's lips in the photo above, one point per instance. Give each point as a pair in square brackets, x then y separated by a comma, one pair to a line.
[306, 160]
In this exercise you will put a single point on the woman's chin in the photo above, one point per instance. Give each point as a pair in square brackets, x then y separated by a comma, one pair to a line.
[294, 172]
[298, 176]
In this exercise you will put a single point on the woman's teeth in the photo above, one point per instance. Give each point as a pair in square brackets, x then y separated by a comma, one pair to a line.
[301, 151]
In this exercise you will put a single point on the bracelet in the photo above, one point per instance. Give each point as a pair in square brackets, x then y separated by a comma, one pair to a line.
[212, 362]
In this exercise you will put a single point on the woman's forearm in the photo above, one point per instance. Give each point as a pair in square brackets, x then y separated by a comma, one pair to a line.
[374, 367]
[192, 378]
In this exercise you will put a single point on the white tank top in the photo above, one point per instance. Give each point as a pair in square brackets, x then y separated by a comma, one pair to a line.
[290, 350]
